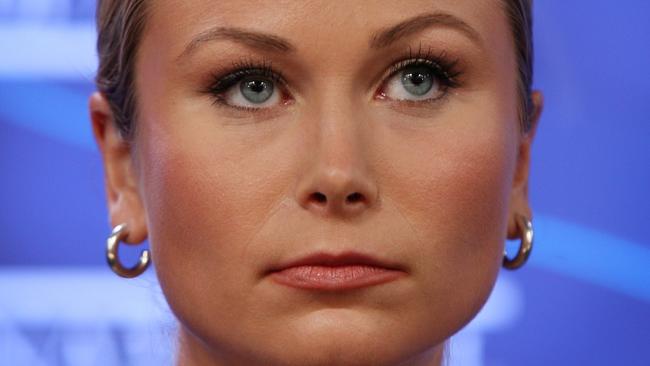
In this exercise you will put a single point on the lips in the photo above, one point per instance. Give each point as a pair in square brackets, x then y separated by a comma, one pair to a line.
[336, 272]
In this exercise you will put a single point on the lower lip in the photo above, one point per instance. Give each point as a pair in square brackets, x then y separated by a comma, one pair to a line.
[335, 278]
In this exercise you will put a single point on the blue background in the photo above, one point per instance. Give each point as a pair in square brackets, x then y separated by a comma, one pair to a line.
[583, 299]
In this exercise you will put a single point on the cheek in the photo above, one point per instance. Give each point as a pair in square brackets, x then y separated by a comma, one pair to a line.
[456, 198]
[205, 199]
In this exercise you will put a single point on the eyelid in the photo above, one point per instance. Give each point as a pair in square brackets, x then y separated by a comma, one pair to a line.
[445, 69]
[440, 63]
[223, 81]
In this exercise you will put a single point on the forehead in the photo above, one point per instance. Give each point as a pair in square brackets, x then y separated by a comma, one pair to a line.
[314, 24]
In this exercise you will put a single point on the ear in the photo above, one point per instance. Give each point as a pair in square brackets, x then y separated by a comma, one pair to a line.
[519, 203]
[124, 203]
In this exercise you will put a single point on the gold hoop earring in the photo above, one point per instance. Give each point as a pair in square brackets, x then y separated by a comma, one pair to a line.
[525, 227]
[118, 234]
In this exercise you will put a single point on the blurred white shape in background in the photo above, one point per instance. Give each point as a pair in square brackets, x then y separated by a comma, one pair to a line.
[51, 51]
[72, 317]
[41, 9]
[53, 39]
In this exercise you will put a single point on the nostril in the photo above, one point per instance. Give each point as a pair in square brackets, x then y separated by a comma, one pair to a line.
[319, 197]
[354, 197]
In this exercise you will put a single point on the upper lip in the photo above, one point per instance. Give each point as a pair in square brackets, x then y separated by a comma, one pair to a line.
[336, 260]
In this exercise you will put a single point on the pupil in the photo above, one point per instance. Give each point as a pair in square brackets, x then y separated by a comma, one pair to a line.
[417, 79]
[257, 86]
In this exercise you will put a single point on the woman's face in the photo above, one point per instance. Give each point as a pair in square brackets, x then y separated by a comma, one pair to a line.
[272, 131]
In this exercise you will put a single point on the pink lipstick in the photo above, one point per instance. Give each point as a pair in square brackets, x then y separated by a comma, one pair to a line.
[329, 272]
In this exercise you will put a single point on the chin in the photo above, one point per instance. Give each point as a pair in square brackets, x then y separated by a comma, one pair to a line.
[347, 336]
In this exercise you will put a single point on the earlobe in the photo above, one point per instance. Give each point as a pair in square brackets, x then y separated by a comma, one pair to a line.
[123, 198]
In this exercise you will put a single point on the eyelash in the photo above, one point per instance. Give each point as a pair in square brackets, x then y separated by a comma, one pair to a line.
[444, 69]
[222, 82]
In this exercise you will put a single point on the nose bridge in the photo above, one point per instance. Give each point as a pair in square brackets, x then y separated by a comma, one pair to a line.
[336, 177]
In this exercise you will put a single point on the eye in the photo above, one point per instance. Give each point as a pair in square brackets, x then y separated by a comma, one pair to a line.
[413, 83]
[249, 88]
[419, 80]
[252, 92]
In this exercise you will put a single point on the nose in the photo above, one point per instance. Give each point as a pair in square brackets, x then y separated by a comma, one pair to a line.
[337, 179]
[335, 191]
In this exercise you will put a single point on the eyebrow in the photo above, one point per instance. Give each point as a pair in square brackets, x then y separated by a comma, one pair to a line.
[390, 35]
[381, 39]
[250, 38]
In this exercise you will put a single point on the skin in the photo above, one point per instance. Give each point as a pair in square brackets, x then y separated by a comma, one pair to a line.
[223, 194]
